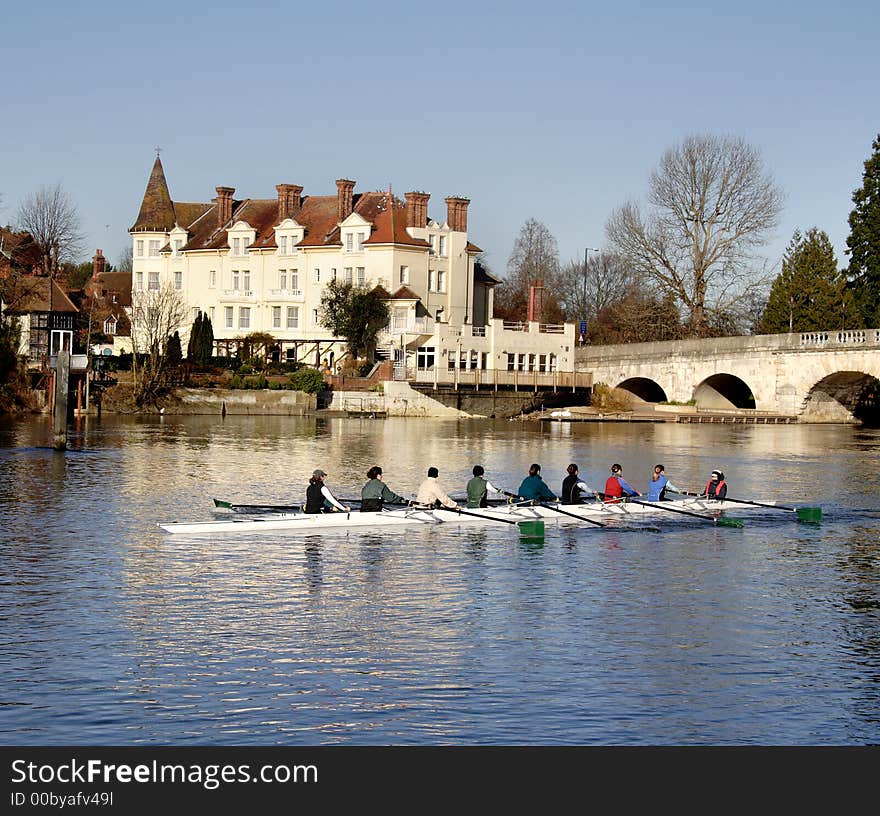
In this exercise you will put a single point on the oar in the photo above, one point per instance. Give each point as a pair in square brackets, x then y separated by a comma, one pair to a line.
[643, 528]
[484, 517]
[721, 521]
[256, 508]
[803, 513]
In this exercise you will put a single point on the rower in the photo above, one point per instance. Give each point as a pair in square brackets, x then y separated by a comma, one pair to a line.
[374, 494]
[573, 487]
[479, 487]
[431, 494]
[616, 487]
[659, 484]
[716, 487]
[319, 499]
[534, 488]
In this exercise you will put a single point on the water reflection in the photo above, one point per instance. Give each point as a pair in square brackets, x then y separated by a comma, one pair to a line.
[114, 632]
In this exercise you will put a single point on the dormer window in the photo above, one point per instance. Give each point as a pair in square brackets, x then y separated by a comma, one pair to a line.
[282, 245]
[176, 246]
[349, 242]
[110, 325]
[441, 246]
[360, 242]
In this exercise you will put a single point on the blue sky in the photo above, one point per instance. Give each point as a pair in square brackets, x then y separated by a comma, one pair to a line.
[553, 110]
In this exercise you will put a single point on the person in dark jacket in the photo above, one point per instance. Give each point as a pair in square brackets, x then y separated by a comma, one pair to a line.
[534, 488]
[573, 487]
[319, 499]
[716, 487]
[375, 494]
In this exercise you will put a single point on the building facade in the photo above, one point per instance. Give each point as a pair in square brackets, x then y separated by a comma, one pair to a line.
[261, 265]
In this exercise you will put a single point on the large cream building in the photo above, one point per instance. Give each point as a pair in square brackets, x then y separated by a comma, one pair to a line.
[261, 265]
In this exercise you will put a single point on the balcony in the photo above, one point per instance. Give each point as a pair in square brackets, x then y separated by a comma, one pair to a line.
[237, 296]
[411, 325]
[286, 295]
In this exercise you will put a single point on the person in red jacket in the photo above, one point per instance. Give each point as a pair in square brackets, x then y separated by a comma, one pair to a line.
[716, 487]
[616, 487]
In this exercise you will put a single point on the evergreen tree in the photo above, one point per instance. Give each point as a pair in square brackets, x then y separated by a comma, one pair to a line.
[206, 341]
[173, 351]
[195, 336]
[864, 242]
[810, 293]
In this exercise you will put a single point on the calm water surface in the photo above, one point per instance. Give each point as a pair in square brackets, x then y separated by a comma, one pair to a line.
[114, 632]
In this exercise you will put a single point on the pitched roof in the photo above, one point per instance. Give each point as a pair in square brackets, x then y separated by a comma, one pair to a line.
[482, 275]
[40, 294]
[389, 223]
[405, 293]
[157, 211]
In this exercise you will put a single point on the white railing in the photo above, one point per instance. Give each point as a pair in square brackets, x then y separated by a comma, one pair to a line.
[515, 325]
[412, 325]
[286, 294]
[552, 328]
[478, 331]
[489, 378]
[844, 337]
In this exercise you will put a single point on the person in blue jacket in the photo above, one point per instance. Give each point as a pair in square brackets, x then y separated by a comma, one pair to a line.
[659, 485]
[533, 487]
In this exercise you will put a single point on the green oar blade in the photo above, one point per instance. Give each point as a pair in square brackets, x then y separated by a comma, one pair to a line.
[531, 528]
[724, 521]
[224, 504]
[811, 514]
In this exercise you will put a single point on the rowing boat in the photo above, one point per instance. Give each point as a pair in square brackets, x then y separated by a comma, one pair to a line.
[416, 516]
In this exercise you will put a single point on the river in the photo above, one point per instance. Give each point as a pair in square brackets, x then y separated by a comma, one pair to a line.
[115, 633]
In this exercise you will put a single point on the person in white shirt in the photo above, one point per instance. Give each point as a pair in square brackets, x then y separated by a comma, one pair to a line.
[431, 494]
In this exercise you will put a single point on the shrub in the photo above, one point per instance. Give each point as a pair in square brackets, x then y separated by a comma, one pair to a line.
[610, 400]
[245, 369]
[364, 369]
[308, 380]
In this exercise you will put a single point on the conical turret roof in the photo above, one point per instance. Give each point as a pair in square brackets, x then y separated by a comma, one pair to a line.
[157, 209]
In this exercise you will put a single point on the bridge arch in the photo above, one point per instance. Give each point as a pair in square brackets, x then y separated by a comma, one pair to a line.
[644, 388]
[724, 391]
[844, 396]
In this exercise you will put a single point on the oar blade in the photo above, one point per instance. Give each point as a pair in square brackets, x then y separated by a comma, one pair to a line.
[531, 530]
[726, 521]
[224, 504]
[812, 515]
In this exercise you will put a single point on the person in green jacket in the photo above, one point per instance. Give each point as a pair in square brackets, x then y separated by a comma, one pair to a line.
[534, 487]
[479, 487]
[375, 493]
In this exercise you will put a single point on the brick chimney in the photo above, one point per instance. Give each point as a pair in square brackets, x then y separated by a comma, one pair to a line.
[417, 208]
[99, 263]
[536, 300]
[456, 213]
[224, 205]
[344, 197]
[289, 200]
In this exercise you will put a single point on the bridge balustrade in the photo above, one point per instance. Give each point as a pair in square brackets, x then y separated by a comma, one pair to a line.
[843, 337]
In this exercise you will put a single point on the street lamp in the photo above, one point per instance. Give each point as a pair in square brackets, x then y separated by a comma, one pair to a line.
[584, 302]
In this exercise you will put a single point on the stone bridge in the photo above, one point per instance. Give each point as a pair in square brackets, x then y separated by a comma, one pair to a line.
[828, 376]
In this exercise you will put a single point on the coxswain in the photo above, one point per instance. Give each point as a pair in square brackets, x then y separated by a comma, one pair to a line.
[534, 488]
[431, 494]
[573, 487]
[375, 493]
[659, 485]
[479, 488]
[716, 487]
[319, 499]
[617, 487]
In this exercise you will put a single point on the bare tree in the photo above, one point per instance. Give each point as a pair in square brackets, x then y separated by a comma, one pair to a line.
[535, 256]
[711, 205]
[51, 218]
[126, 260]
[156, 315]
[585, 289]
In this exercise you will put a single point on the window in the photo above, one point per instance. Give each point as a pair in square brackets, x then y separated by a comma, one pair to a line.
[244, 317]
[176, 245]
[361, 275]
[450, 360]
[511, 362]
[276, 317]
[542, 362]
[294, 280]
[360, 242]
[347, 275]
[282, 279]
[282, 245]
[404, 274]
[236, 246]
[293, 317]
[430, 280]
[553, 362]
[139, 281]
[228, 310]
[139, 249]
[212, 313]
[153, 282]
[441, 250]
[245, 244]
[178, 280]
[314, 317]
[110, 325]
[317, 275]
[212, 279]
[432, 239]
[154, 249]
[441, 280]
[246, 279]
[425, 357]
[234, 280]
[349, 242]
[333, 273]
